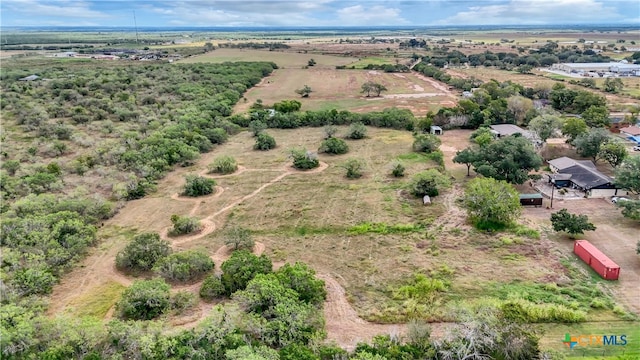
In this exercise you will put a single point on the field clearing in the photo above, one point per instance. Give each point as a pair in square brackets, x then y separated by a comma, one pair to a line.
[283, 59]
[341, 90]
[310, 216]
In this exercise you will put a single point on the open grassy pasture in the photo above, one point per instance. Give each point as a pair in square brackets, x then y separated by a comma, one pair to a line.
[368, 234]
[282, 58]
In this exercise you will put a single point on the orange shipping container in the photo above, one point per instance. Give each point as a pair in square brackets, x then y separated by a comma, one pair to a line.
[598, 261]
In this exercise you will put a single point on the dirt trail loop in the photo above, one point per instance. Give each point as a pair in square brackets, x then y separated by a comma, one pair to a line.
[438, 85]
[99, 267]
[347, 329]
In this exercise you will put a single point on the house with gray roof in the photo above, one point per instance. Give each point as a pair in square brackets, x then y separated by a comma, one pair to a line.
[584, 176]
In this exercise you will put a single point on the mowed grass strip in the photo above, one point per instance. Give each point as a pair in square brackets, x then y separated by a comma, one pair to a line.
[97, 302]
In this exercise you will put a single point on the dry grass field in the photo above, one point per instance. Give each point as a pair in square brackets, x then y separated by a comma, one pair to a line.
[284, 59]
[319, 218]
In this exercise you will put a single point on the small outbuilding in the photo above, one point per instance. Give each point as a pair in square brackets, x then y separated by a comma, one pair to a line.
[436, 130]
[29, 78]
[426, 200]
[531, 199]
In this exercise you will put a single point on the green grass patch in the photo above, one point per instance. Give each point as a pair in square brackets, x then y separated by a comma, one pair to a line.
[97, 302]
[554, 334]
[380, 228]
[521, 230]
[361, 64]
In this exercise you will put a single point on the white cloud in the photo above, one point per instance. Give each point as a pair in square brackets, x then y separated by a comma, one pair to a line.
[519, 12]
[372, 16]
[60, 8]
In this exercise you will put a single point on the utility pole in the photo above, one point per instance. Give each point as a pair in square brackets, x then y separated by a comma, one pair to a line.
[135, 23]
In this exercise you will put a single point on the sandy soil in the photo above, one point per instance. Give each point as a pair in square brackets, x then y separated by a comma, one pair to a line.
[615, 236]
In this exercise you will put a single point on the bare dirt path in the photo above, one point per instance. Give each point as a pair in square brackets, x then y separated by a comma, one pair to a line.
[444, 88]
[99, 267]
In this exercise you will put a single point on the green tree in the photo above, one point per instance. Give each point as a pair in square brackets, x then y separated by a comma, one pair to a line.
[573, 127]
[257, 127]
[372, 87]
[482, 136]
[354, 168]
[241, 267]
[426, 143]
[589, 143]
[613, 85]
[518, 106]
[223, 165]
[613, 152]
[466, 156]
[212, 288]
[333, 146]
[144, 300]
[357, 131]
[304, 92]
[330, 131]
[509, 158]
[239, 238]
[428, 182]
[142, 252]
[184, 225]
[545, 126]
[597, 116]
[491, 203]
[303, 159]
[184, 265]
[264, 142]
[247, 352]
[571, 223]
[198, 186]
[630, 209]
[287, 106]
[627, 175]
[302, 279]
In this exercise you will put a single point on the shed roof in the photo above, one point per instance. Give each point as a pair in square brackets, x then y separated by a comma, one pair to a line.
[531, 196]
[567, 162]
[631, 130]
[29, 78]
[510, 129]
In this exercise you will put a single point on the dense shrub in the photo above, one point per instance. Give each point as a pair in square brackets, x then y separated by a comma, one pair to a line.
[397, 169]
[198, 186]
[257, 127]
[304, 160]
[184, 225]
[354, 168]
[333, 146]
[301, 278]
[428, 183]
[212, 288]
[426, 143]
[223, 165]
[184, 266]
[144, 300]
[241, 267]
[357, 131]
[142, 252]
[264, 142]
[182, 300]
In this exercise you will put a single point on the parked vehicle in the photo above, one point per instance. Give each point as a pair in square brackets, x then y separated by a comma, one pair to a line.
[636, 148]
[616, 199]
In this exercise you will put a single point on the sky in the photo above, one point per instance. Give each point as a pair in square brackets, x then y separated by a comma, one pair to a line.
[321, 13]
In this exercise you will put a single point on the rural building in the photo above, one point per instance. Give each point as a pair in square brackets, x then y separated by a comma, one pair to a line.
[582, 175]
[630, 131]
[617, 68]
[597, 260]
[531, 199]
[502, 130]
[436, 130]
